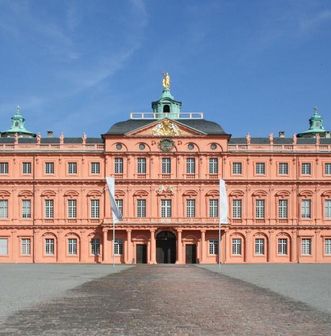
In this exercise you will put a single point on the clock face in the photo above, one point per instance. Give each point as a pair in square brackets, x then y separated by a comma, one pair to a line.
[166, 145]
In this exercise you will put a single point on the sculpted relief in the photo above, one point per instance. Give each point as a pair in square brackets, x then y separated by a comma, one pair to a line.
[166, 128]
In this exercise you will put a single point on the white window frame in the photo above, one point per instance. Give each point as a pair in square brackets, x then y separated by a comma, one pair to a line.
[259, 246]
[306, 168]
[282, 246]
[306, 246]
[95, 246]
[166, 165]
[141, 208]
[3, 246]
[213, 208]
[118, 165]
[119, 203]
[236, 246]
[49, 208]
[95, 167]
[4, 208]
[327, 168]
[95, 208]
[327, 246]
[166, 208]
[72, 168]
[213, 165]
[260, 168]
[49, 168]
[213, 247]
[190, 165]
[72, 246]
[327, 208]
[141, 165]
[283, 168]
[4, 168]
[190, 208]
[306, 207]
[283, 208]
[72, 208]
[237, 168]
[25, 246]
[49, 246]
[26, 208]
[118, 247]
[260, 208]
[237, 208]
[26, 168]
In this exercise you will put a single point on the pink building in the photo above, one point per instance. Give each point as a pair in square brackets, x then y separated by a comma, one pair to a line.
[55, 207]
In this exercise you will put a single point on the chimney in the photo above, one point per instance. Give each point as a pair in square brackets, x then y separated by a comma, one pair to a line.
[281, 134]
[50, 134]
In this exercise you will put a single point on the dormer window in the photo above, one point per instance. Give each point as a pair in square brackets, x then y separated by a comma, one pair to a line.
[166, 109]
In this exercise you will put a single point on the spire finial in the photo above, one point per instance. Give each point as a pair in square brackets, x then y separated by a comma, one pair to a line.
[166, 81]
[18, 109]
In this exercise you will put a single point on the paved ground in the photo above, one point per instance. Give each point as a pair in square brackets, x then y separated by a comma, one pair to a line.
[309, 283]
[24, 285]
[169, 300]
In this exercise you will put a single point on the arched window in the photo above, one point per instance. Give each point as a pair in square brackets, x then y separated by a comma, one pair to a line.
[166, 109]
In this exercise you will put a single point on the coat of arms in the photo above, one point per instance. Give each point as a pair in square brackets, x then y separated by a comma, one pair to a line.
[166, 128]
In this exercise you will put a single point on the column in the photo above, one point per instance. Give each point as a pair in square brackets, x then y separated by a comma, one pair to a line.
[271, 247]
[128, 248]
[105, 246]
[203, 247]
[179, 248]
[248, 246]
[294, 245]
[153, 247]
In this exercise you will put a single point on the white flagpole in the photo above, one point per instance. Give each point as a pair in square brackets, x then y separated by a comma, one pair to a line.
[223, 215]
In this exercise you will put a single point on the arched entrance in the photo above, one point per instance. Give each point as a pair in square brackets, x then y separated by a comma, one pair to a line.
[165, 248]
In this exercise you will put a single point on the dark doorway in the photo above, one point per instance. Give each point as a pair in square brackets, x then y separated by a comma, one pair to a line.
[166, 109]
[141, 252]
[165, 248]
[191, 254]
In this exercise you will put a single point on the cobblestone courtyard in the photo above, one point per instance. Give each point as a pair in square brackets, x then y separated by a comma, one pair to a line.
[168, 300]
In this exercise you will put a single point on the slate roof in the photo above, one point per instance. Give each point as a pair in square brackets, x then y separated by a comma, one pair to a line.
[206, 126]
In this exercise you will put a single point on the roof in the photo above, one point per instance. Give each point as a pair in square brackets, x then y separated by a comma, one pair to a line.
[205, 126]
[278, 141]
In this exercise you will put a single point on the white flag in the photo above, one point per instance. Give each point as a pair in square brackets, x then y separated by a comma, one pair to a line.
[111, 187]
[223, 203]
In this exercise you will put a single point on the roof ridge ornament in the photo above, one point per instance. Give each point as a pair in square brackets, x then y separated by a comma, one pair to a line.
[166, 81]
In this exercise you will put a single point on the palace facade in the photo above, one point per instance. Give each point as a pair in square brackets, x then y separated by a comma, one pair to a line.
[55, 206]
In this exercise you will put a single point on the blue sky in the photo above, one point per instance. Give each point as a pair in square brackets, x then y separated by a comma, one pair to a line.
[253, 66]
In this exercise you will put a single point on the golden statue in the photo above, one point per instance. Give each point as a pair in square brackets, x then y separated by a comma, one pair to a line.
[166, 81]
[166, 128]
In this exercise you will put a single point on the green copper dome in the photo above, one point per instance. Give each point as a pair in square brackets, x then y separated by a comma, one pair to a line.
[315, 126]
[17, 126]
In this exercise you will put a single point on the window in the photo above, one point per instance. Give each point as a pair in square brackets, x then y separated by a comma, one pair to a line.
[283, 208]
[3, 246]
[26, 167]
[213, 166]
[119, 203]
[141, 208]
[118, 247]
[26, 208]
[306, 168]
[260, 208]
[72, 167]
[166, 166]
[190, 208]
[3, 208]
[165, 208]
[49, 167]
[259, 246]
[72, 208]
[282, 246]
[306, 208]
[327, 169]
[190, 166]
[237, 168]
[72, 246]
[95, 167]
[49, 208]
[306, 246]
[95, 208]
[49, 246]
[260, 168]
[237, 208]
[213, 247]
[141, 167]
[327, 246]
[3, 167]
[95, 246]
[327, 208]
[283, 168]
[213, 208]
[236, 246]
[118, 166]
[25, 246]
